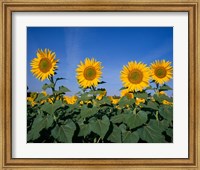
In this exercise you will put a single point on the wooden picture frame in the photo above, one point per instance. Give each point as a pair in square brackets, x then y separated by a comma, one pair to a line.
[9, 6]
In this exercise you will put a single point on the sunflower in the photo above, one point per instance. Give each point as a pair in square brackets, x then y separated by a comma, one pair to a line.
[135, 76]
[139, 100]
[45, 94]
[51, 99]
[126, 93]
[44, 64]
[167, 102]
[89, 73]
[162, 93]
[32, 98]
[101, 95]
[113, 100]
[161, 71]
[70, 100]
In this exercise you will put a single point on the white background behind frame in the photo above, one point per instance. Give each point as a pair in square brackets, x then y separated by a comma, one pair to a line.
[177, 20]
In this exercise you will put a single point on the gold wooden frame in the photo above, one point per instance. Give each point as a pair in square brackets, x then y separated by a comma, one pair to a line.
[9, 6]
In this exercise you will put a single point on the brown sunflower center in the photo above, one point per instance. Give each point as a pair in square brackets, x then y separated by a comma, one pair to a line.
[160, 72]
[135, 76]
[90, 73]
[45, 65]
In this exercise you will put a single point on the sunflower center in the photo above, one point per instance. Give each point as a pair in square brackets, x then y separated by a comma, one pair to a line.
[45, 65]
[89, 73]
[135, 76]
[160, 72]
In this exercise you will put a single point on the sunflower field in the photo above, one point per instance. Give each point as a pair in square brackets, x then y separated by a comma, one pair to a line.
[143, 113]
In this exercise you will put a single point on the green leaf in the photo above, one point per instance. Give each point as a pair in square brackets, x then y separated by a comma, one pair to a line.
[115, 136]
[123, 88]
[63, 89]
[117, 118]
[150, 105]
[125, 101]
[135, 120]
[41, 97]
[142, 95]
[88, 112]
[64, 133]
[39, 123]
[104, 100]
[122, 128]
[151, 133]
[101, 82]
[157, 98]
[161, 125]
[162, 97]
[60, 78]
[128, 137]
[165, 88]
[85, 97]
[51, 108]
[100, 127]
[46, 86]
[84, 130]
[166, 112]
[169, 132]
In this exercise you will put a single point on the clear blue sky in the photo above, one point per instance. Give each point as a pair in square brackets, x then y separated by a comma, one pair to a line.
[113, 46]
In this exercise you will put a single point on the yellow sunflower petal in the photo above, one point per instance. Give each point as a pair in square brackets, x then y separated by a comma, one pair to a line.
[135, 76]
[44, 65]
[126, 93]
[161, 71]
[89, 73]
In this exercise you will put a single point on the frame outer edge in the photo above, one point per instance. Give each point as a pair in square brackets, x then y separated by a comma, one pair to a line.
[198, 84]
[3, 82]
[2, 102]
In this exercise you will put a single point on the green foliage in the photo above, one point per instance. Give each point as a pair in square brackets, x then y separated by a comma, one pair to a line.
[134, 120]
[142, 95]
[124, 101]
[51, 108]
[88, 112]
[46, 86]
[152, 132]
[100, 127]
[64, 133]
[115, 136]
[39, 123]
[150, 105]
[130, 137]
[63, 89]
[166, 112]
[165, 88]
[88, 118]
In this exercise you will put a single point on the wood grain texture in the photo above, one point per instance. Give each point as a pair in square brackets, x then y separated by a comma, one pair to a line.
[1, 87]
[9, 6]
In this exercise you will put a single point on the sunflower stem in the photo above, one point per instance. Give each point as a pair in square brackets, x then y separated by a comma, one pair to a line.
[98, 139]
[157, 87]
[134, 111]
[157, 116]
[53, 88]
[93, 88]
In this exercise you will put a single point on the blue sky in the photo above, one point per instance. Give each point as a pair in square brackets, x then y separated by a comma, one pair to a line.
[113, 46]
